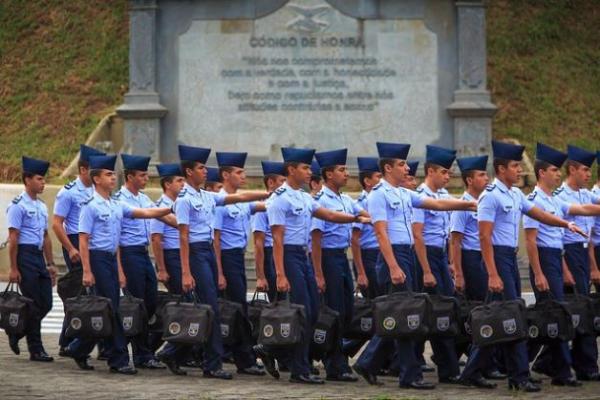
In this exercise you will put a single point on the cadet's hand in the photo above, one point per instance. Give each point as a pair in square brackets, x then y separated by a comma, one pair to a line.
[574, 228]
[187, 282]
[14, 276]
[320, 283]
[362, 281]
[262, 285]
[459, 282]
[363, 220]
[282, 284]
[495, 284]
[397, 275]
[74, 255]
[163, 276]
[88, 279]
[222, 282]
[568, 278]
[429, 279]
[52, 271]
[122, 280]
[541, 283]
[595, 276]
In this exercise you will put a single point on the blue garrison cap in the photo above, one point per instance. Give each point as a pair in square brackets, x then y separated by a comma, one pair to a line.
[550, 155]
[413, 165]
[332, 158]
[212, 174]
[507, 151]
[191, 153]
[393, 150]
[476, 163]
[292, 154]
[231, 159]
[86, 151]
[580, 155]
[272, 168]
[103, 162]
[165, 170]
[138, 163]
[315, 168]
[34, 166]
[368, 164]
[440, 156]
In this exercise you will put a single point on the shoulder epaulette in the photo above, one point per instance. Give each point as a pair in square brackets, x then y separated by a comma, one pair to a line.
[531, 196]
[558, 191]
[280, 190]
[318, 195]
[17, 199]
[69, 185]
[361, 197]
[377, 186]
[158, 202]
[88, 200]
[420, 190]
[490, 187]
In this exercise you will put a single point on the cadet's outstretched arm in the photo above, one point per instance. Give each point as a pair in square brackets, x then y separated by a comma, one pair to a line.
[246, 197]
[584, 209]
[336, 216]
[448, 204]
[151, 212]
[551, 219]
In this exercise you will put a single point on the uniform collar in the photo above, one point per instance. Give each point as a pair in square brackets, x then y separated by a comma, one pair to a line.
[80, 186]
[467, 196]
[189, 188]
[500, 185]
[386, 185]
[285, 184]
[541, 193]
[128, 194]
[99, 197]
[26, 196]
[568, 189]
[330, 192]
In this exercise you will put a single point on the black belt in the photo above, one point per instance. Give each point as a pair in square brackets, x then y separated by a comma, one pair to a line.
[104, 253]
[333, 250]
[294, 247]
[31, 247]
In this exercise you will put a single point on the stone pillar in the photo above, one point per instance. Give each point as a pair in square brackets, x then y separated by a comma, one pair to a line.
[472, 109]
[141, 109]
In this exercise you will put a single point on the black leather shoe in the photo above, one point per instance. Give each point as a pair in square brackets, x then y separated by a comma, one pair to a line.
[218, 374]
[306, 379]
[83, 364]
[172, 365]
[418, 385]
[267, 359]
[451, 380]
[151, 364]
[345, 377]
[480, 383]
[526, 386]
[572, 382]
[63, 352]
[13, 343]
[42, 356]
[254, 370]
[367, 376]
[427, 368]
[126, 370]
[495, 375]
[589, 377]
[192, 364]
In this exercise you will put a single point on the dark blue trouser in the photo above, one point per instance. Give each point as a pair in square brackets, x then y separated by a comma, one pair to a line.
[339, 296]
[475, 275]
[555, 358]
[173, 267]
[379, 349]
[203, 268]
[515, 353]
[74, 239]
[234, 270]
[106, 273]
[585, 350]
[36, 285]
[270, 274]
[141, 283]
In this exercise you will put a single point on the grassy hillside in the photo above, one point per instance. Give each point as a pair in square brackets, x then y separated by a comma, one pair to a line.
[63, 65]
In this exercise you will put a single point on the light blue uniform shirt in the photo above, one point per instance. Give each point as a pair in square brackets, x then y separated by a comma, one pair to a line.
[335, 236]
[547, 235]
[435, 223]
[596, 226]
[170, 235]
[101, 219]
[30, 218]
[503, 206]
[196, 208]
[582, 196]
[395, 206]
[134, 232]
[465, 222]
[292, 209]
[260, 223]
[233, 220]
[367, 240]
[68, 204]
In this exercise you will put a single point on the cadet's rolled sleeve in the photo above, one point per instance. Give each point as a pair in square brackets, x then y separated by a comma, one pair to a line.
[486, 209]
[14, 217]
[276, 212]
[219, 198]
[127, 210]
[458, 221]
[530, 223]
[259, 223]
[62, 205]
[182, 211]
[156, 226]
[526, 204]
[86, 219]
[416, 199]
[418, 216]
[317, 224]
[377, 207]
[218, 221]
[314, 205]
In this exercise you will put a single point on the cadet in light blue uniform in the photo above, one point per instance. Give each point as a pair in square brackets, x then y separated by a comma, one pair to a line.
[576, 253]
[330, 242]
[263, 239]
[232, 227]
[133, 246]
[65, 222]
[499, 212]
[431, 230]
[29, 245]
[99, 236]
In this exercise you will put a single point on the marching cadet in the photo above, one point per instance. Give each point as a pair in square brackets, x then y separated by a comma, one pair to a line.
[65, 221]
[100, 223]
[213, 182]
[195, 212]
[499, 211]
[391, 208]
[263, 239]
[133, 250]
[30, 255]
[330, 242]
[576, 254]
[231, 229]
[289, 214]
[431, 230]
[544, 247]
